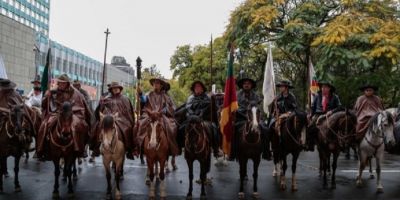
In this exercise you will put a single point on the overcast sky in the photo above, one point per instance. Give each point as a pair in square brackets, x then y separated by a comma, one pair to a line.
[151, 29]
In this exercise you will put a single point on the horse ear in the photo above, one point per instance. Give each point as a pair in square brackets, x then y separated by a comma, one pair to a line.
[115, 115]
[101, 116]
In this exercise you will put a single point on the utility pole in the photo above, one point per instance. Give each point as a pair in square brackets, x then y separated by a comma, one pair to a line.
[107, 32]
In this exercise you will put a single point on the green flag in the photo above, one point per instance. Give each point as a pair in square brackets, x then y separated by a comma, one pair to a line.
[46, 77]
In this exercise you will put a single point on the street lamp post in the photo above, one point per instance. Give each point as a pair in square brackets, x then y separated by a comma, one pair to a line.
[107, 32]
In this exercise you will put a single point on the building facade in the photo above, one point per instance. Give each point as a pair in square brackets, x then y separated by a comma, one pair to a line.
[32, 13]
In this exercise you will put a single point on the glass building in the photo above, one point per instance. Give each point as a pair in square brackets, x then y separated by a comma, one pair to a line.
[32, 13]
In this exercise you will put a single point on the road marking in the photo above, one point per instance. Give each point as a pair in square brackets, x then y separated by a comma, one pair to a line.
[125, 166]
[366, 171]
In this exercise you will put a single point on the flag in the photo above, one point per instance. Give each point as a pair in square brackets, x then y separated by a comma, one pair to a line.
[3, 72]
[314, 88]
[46, 77]
[268, 89]
[230, 105]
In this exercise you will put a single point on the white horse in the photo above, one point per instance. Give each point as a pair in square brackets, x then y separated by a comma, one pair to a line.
[380, 130]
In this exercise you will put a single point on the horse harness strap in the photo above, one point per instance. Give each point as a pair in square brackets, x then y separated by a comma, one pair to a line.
[204, 140]
[63, 148]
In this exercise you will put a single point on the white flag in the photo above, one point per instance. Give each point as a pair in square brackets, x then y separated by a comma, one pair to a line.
[3, 73]
[269, 82]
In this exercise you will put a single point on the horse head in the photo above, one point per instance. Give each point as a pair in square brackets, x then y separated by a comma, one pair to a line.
[108, 121]
[253, 116]
[384, 125]
[108, 130]
[17, 123]
[296, 124]
[65, 122]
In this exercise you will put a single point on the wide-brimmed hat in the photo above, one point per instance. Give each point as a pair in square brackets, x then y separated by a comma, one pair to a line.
[6, 84]
[368, 85]
[327, 83]
[114, 84]
[241, 81]
[157, 79]
[36, 80]
[167, 87]
[285, 83]
[200, 83]
[63, 78]
[76, 82]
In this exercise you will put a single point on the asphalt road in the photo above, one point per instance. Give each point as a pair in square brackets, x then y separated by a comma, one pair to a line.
[37, 179]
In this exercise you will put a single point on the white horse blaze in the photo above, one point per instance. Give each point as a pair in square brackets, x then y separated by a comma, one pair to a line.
[153, 137]
[254, 122]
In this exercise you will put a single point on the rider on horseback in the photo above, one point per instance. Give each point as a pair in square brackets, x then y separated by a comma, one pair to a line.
[198, 109]
[116, 102]
[52, 104]
[157, 105]
[35, 96]
[366, 106]
[245, 97]
[325, 104]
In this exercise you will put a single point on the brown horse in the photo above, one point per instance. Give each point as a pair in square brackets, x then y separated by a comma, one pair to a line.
[250, 147]
[62, 146]
[336, 133]
[156, 150]
[15, 137]
[197, 147]
[290, 139]
[113, 151]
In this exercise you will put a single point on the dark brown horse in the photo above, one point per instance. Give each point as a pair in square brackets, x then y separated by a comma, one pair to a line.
[156, 150]
[250, 147]
[289, 139]
[62, 146]
[197, 147]
[15, 137]
[336, 133]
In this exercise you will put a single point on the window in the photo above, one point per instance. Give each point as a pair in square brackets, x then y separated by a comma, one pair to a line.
[65, 67]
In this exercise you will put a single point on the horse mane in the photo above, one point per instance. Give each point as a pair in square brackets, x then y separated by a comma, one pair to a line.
[108, 122]
[374, 119]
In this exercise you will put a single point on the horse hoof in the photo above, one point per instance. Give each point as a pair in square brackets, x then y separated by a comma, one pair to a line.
[294, 188]
[80, 161]
[147, 182]
[163, 198]
[379, 190]
[108, 197]
[256, 195]
[189, 197]
[359, 183]
[241, 195]
[118, 197]
[167, 170]
[274, 174]
[56, 195]
[333, 186]
[371, 176]
[283, 187]
[6, 175]
[246, 178]
[174, 168]
[18, 189]
[75, 177]
[121, 177]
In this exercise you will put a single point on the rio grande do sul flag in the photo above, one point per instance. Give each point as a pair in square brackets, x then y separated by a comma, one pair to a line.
[312, 78]
[230, 105]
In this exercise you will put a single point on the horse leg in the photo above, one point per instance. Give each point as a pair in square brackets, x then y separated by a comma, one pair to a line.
[294, 166]
[321, 163]
[329, 164]
[203, 178]
[119, 166]
[276, 171]
[371, 174]
[256, 164]
[163, 192]
[190, 166]
[355, 153]
[74, 171]
[334, 166]
[361, 167]
[16, 171]
[325, 165]
[56, 162]
[106, 163]
[68, 164]
[2, 169]
[283, 172]
[174, 166]
[150, 168]
[242, 171]
[378, 173]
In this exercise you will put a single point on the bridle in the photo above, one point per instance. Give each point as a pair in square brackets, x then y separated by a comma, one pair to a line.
[248, 129]
[62, 147]
[341, 137]
[376, 134]
[201, 136]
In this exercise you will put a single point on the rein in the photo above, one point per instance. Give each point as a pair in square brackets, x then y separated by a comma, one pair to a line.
[375, 146]
[113, 143]
[340, 137]
[62, 147]
[290, 133]
[201, 136]
[246, 131]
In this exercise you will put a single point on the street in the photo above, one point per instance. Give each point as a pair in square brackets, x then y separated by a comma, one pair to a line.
[37, 181]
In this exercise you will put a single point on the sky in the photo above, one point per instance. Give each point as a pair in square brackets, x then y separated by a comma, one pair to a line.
[151, 29]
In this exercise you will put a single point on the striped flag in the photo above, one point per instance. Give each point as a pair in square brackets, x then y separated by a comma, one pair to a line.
[268, 89]
[3, 72]
[46, 77]
[313, 82]
[230, 105]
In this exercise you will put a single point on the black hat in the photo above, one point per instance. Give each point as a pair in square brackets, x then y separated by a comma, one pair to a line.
[368, 85]
[167, 86]
[200, 83]
[6, 84]
[77, 82]
[327, 83]
[157, 79]
[241, 81]
[285, 83]
[36, 80]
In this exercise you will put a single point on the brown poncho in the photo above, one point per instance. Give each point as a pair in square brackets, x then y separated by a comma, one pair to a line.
[365, 108]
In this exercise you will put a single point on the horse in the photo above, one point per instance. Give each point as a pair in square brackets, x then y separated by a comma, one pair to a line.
[379, 132]
[289, 139]
[15, 139]
[61, 145]
[156, 149]
[250, 147]
[197, 147]
[336, 133]
[113, 151]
